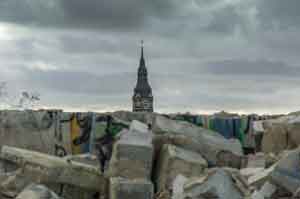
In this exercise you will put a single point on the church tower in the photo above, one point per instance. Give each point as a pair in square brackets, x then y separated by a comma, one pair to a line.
[142, 97]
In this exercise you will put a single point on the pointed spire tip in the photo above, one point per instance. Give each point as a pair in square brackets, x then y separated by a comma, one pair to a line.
[142, 49]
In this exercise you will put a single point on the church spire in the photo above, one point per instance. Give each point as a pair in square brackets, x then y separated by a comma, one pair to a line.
[142, 47]
[142, 98]
[142, 60]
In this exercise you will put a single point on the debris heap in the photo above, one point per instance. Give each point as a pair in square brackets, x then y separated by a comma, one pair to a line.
[159, 158]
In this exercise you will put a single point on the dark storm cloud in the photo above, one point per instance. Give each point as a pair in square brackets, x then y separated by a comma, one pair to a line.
[225, 20]
[114, 12]
[31, 12]
[127, 15]
[84, 14]
[279, 14]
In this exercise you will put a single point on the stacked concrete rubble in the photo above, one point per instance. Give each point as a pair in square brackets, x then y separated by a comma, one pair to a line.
[217, 150]
[218, 183]
[281, 134]
[37, 192]
[173, 160]
[64, 176]
[131, 164]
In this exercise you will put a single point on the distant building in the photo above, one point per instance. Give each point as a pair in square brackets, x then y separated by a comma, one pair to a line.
[142, 97]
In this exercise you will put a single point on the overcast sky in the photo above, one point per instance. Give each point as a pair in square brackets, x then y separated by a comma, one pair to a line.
[202, 55]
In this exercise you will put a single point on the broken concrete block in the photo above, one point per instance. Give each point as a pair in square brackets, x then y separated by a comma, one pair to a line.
[50, 169]
[37, 192]
[209, 144]
[121, 188]
[133, 154]
[257, 160]
[174, 161]
[131, 160]
[138, 127]
[177, 188]
[138, 132]
[293, 134]
[88, 159]
[72, 192]
[219, 185]
[228, 159]
[287, 171]
[260, 177]
[275, 138]
[265, 192]
[14, 183]
[32, 130]
[248, 172]
[127, 116]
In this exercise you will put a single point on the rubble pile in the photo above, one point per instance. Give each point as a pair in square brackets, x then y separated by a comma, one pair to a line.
[159, 158]
[281, 134]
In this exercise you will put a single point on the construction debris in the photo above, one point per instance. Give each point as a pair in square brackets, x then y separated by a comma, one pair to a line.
[256, 161]
[46, 168]
[157, 157]
[178, 187]
[259, 178]
[287, 171]
[275, 139]
[218, 184]
[129, 189]
[173, 161]
[209, 144]
[133, 153]
[37, 192]
[266, 191]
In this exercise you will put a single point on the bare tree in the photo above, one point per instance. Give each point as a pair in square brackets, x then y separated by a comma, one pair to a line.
[25, 100]
[3, 95]
[28, 100]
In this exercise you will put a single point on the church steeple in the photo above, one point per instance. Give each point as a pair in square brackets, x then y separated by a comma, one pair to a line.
[142, 60]
[142, 98]
[142, 50]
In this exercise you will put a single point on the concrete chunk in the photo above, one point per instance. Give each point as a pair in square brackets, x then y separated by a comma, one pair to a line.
[209, 144]
[256, 161]
[174, 161]
[88, 159]
[138, 127]
[265, 192]
[178, 184]
[219, 185]
[50, 169]
[248, 172]
[287, 171]
[37, 192]
[275, 138]
[260, 177]
[133, 154]
[121, 188]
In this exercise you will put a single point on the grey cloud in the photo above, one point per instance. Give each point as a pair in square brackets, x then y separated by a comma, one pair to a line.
[30, 12]
[84, 14]
[225, 20]
[80, 82]
[274, 14]
[195, 57]
[86, 44]
[143, 16]
[257, 67]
